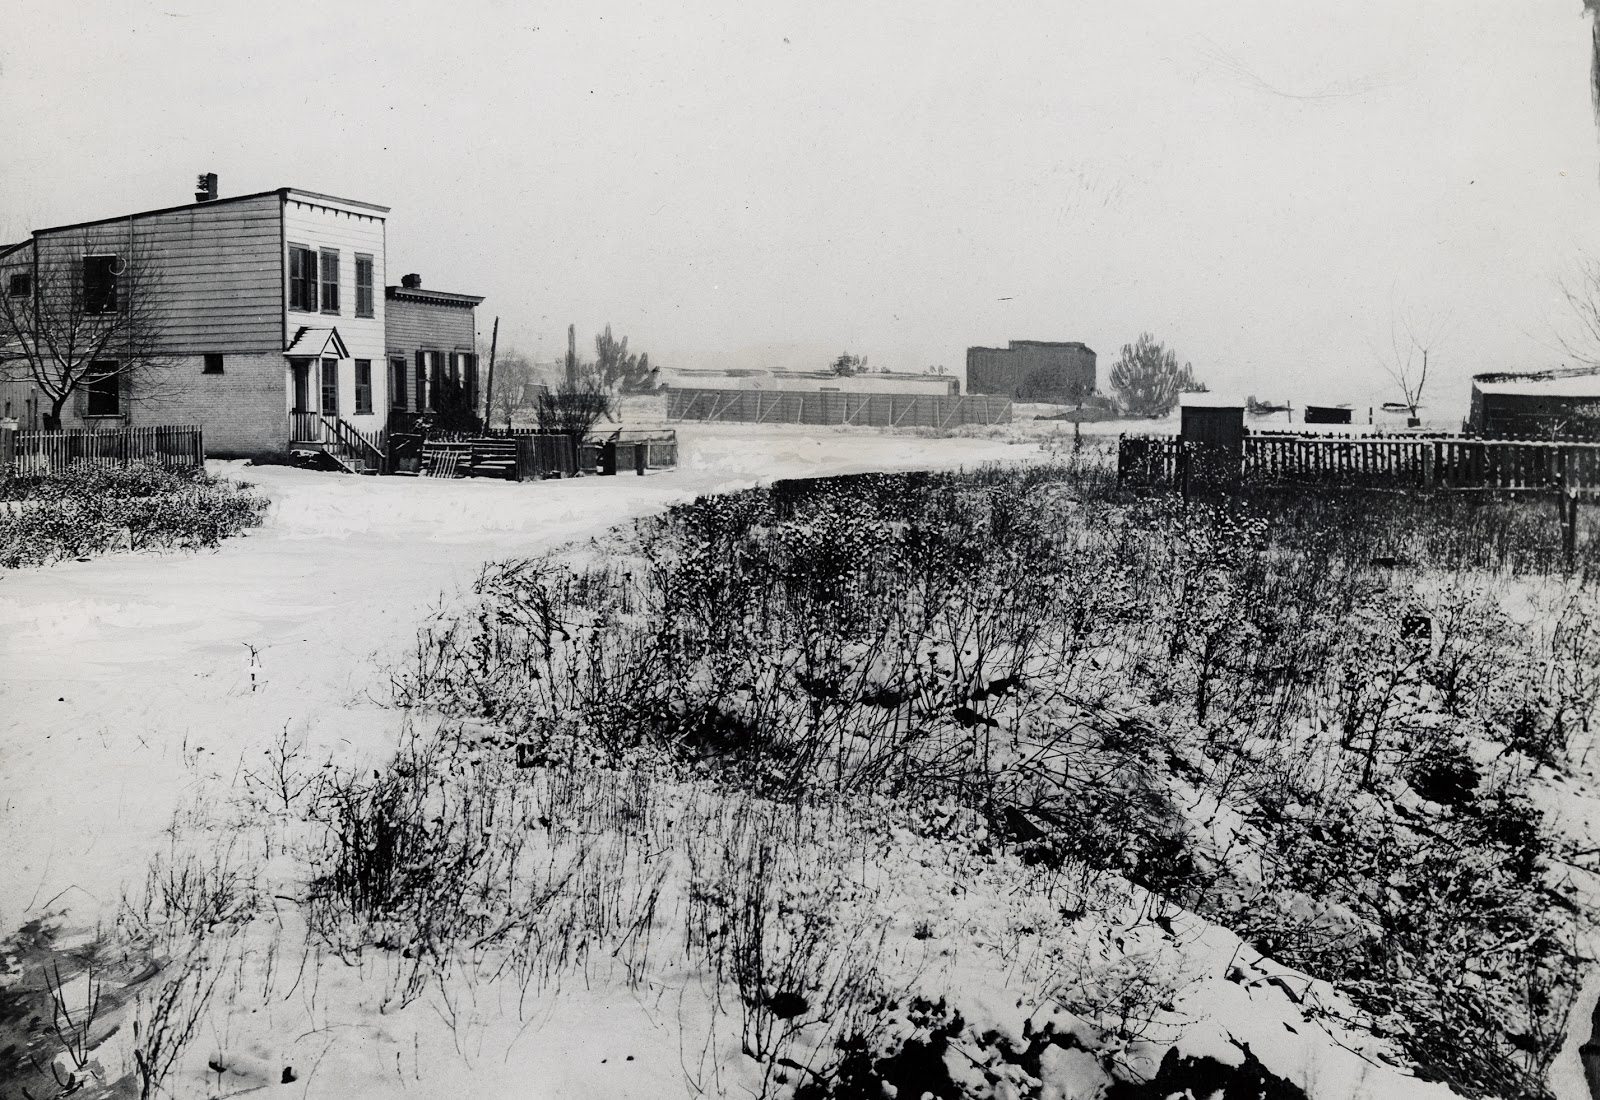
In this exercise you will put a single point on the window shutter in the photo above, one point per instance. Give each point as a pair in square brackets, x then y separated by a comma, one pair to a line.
[422, 382]
[80, 400]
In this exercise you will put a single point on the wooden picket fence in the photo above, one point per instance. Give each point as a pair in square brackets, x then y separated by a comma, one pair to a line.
[47, 452]
[1387, 462]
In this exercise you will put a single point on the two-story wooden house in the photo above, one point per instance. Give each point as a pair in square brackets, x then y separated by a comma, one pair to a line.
[273, 319]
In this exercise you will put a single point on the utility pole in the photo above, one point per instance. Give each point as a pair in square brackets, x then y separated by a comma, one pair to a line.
[488, 400]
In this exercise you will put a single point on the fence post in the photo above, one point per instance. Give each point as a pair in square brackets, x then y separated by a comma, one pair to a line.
[1569, 525]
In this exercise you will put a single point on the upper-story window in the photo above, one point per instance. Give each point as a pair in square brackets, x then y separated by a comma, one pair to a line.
[99, 284]
[363, 286]
[302, 279]
[21, 284]
[330, 281]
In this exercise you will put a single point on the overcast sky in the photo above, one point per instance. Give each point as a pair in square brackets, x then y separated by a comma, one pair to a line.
[1260, 184]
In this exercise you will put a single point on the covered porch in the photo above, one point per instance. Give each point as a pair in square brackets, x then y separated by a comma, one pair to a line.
[319, 366]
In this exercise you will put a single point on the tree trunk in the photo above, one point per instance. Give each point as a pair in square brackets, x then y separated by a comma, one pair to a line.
[52, 419]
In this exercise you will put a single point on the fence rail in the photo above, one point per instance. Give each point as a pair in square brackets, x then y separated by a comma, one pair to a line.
[45, 452]
[882, 410]
[1425, 463]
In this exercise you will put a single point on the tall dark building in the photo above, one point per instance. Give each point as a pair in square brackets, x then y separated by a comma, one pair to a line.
[1033, 370]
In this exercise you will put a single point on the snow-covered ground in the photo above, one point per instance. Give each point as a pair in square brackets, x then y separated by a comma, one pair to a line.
[126, 680]
[136, 689]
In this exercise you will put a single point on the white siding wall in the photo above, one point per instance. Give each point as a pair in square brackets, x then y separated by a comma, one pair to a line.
[328, 224]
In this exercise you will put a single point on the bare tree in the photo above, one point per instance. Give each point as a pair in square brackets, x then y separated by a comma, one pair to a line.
[1581, 289]
[1413, 350]
[89, 322]
[576, 405]
[515, 388]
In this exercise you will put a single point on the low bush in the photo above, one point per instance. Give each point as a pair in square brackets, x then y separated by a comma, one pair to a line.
[89, 509]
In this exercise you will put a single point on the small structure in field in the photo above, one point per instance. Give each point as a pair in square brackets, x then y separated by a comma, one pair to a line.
[1552, 404]
[1327, 414]
[1212, 420]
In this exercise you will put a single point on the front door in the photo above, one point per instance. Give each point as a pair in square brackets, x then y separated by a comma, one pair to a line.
[302, 384]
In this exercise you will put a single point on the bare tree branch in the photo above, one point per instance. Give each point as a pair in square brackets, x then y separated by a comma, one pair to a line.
[1413, 348]
[93, 314]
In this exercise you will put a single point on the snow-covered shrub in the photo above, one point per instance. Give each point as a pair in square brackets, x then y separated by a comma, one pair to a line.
[1250, 709]
[89, 509]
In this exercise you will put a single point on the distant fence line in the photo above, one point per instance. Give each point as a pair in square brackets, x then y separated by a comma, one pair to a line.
[1365, 462]
[46, 452]
[879, 410]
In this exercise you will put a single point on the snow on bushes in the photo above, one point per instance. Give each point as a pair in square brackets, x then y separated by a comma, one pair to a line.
[89, 509]
[1247, 710]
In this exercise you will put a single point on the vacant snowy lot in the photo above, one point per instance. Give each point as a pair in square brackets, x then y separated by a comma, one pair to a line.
[131, 678]
[146, 701]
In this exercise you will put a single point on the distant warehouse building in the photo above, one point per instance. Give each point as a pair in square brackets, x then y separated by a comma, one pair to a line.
[1033, 370]
[1552, 404]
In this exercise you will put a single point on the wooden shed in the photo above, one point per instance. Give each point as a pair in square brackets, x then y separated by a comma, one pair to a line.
[1213, 421]
[1327, 414]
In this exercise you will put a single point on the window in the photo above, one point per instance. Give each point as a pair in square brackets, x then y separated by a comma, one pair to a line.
[363, 286]
[21, 284]
[213, 363]
[99, 284]
[330, 281]
[104, 387]
[397, 382]
[363, 386]
[469, 379]
[422, 381]
[302, 279]
[435, 378]
[330, 387]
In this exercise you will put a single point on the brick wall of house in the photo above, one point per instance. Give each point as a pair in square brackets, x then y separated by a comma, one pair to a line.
[244, 410]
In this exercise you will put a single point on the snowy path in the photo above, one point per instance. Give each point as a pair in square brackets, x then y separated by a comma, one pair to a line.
[125, 684]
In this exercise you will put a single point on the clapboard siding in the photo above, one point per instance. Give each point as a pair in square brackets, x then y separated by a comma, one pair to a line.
[217, 267]
[423, 325]
[350, 232]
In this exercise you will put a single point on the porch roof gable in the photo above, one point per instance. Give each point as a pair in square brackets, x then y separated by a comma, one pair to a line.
[311, 343]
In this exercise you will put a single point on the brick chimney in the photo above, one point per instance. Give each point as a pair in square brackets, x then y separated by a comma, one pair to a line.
[205, 187]
[411, 282]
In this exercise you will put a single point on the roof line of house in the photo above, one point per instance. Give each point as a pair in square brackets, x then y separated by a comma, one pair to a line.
[282, 192]
[1535, 375]
[420, 294]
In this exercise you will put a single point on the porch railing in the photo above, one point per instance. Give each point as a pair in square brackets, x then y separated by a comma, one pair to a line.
[354, 448]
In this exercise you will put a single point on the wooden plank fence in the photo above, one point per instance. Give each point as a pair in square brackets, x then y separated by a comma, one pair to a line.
[882, 410]
[1387, 462]
[44, 452]
[524, 455]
